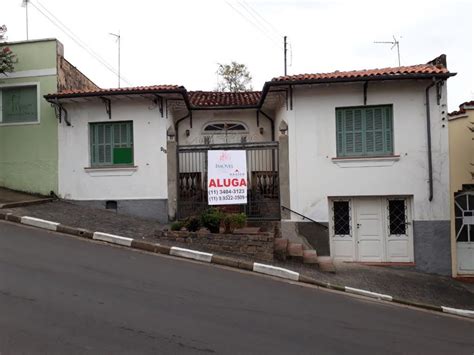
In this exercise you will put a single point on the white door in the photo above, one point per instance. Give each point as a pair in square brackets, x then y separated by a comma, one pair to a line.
[342, 233]
[399, 230]
[369, 230]
[464, 227]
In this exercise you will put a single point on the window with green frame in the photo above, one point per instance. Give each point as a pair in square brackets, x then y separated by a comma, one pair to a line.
[364, 131]
[19, 104]
[111, 143]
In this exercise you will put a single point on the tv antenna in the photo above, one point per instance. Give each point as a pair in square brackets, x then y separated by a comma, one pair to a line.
[394, 43]
[117, 36]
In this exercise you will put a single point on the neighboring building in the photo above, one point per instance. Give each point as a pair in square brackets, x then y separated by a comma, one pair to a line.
[28, 125]
[461, 159]
[365, 152]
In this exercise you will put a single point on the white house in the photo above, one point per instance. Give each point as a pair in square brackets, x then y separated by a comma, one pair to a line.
[364, 152]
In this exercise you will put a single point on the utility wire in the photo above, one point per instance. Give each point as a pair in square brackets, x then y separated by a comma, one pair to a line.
[253, 24]
[68, 32]
[258, 21]
[261, 17]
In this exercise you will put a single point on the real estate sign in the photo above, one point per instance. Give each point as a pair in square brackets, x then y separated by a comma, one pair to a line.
[227, 177]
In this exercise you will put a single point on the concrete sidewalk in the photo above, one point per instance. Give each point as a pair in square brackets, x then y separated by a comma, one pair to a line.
[399, 282]
[11, 198]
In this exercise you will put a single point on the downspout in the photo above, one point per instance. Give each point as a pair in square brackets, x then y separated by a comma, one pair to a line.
[428, 130]
[177, 125]
[272, 123]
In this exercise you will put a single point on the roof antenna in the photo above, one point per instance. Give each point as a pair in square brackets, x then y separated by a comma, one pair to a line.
[117, 36]
[394, 43]
[24, 4]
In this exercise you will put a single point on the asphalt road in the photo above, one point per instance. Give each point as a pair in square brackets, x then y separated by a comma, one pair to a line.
[62, 295]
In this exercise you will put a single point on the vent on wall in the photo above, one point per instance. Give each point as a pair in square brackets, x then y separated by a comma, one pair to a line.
[111, 205]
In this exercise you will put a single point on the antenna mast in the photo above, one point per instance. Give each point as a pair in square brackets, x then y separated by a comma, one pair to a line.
[25, 5]
[284, 52]
[117, 36]
[394, 43]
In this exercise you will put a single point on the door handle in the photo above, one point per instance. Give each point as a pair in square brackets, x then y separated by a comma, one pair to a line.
[358, 225]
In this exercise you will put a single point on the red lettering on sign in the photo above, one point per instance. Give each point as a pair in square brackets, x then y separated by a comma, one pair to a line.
[228, 182]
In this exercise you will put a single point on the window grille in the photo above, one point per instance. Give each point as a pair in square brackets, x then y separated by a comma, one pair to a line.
[397, 217]
[341, 218]
[464, 216]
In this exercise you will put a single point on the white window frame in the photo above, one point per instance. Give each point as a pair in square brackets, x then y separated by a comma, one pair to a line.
[38, 102]
[210, 123]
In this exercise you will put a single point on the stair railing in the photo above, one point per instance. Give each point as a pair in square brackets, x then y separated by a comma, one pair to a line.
[303, 216]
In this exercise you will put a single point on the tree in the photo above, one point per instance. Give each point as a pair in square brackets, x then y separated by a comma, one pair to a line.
[6, 55]
[233, 77]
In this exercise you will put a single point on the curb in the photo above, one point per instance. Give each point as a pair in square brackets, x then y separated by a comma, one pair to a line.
[222, 260]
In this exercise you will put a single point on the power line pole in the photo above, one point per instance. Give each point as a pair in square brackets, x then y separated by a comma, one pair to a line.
[117, 36]
[284, 51]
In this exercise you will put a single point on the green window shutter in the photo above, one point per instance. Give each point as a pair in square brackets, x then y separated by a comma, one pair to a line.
[111, 143]
[19, 104]
[364, 131]
[340, 132]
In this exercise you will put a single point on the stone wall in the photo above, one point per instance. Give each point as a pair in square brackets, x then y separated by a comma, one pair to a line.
[255, 246]
[70, 78]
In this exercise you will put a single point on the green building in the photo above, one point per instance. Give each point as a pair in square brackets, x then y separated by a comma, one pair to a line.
[28, 123]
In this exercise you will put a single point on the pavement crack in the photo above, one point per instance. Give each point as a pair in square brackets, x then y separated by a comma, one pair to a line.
[9, 294]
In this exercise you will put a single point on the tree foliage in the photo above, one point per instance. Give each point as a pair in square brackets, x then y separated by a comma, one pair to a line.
[233, 77]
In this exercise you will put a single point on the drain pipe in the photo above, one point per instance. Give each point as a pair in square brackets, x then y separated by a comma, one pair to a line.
[428, 130]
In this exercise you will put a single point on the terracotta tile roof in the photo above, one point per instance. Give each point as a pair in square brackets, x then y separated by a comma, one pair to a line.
[462, 108]
[224, 99]
[406, 71]
[116, 91]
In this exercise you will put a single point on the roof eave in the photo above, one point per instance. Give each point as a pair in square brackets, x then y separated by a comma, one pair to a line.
[179, 90]
[268, 84]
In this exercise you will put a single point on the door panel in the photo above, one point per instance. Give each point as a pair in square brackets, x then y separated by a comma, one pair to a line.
[399, 232]
[369, 229]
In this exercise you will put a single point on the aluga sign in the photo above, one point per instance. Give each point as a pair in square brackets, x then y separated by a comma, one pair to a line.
[227, 177]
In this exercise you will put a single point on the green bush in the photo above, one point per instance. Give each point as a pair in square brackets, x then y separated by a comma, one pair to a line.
[177, 225]
[193, 224]
[234, 220]
[211, 219]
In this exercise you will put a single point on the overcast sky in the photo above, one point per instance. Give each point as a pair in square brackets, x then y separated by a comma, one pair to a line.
[181, 42]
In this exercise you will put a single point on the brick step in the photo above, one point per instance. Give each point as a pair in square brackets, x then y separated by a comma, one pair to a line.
[325, 264]
[310, 257]
[295, 249]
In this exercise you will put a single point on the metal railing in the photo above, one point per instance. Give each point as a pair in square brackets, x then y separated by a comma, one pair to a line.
[304, 217]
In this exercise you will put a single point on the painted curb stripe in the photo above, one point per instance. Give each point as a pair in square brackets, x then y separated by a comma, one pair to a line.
[379, 296]
[40, 223]
[191, 254]
[458, 312]
[207, 257]
[114, 239]
[276, 271]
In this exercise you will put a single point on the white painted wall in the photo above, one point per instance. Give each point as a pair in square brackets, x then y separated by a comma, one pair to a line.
[201, 118]
[314, 176]
[148, 181]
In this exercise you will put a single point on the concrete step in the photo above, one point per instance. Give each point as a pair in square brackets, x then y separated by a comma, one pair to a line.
[310, 257]
[326, 264]
[295, 249]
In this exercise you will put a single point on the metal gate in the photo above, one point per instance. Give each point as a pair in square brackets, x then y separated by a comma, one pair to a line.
[263, 189]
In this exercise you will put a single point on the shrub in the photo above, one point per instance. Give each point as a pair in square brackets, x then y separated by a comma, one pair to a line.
[193, 224]
[234, 220]
[177, 225]
[211, 219]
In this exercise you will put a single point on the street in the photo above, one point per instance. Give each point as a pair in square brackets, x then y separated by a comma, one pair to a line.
[62, 295]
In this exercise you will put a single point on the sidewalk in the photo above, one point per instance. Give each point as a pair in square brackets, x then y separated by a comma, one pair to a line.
[399, 282]
[15, 198]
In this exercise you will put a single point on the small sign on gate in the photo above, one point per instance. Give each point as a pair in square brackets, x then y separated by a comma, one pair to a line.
[227, 177]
